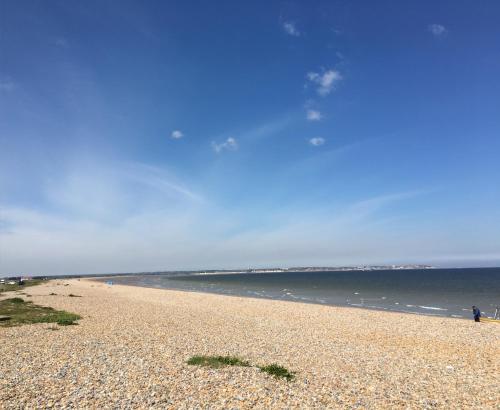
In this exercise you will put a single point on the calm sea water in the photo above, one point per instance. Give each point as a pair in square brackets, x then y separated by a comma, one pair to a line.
[442, 292]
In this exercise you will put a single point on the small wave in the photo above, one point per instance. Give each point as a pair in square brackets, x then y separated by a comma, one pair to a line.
[456, 316]
[356, 293]
[375, 307]
[410, 305]
[431, 308]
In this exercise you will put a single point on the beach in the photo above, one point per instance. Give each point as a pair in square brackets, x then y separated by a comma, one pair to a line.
[131, 346]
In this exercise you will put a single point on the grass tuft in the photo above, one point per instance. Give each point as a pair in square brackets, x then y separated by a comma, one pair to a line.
[60, 317]
[217, 361]
[74, 296]
[21, 312]
[277, 371]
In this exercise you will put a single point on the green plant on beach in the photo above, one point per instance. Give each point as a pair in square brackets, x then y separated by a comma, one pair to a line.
[60, 317]
[21, 312]
[15, 301]
[217, 361]
[277, 371]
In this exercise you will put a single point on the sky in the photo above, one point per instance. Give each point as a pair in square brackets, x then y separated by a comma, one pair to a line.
[150, 135]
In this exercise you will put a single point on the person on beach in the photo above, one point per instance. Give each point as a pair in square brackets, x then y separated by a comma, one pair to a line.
[477, 314]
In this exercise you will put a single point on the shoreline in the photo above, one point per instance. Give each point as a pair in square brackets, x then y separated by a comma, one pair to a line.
[131, 347]
[307, 302]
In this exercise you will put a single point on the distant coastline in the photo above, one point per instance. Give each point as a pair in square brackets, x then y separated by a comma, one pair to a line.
[319, 269]
[229, 271]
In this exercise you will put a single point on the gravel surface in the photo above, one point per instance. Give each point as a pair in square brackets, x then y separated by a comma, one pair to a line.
[131, 346]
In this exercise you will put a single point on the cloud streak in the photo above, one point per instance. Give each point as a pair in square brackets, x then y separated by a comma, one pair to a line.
[157, 234]
[158, 238]
[229, 144]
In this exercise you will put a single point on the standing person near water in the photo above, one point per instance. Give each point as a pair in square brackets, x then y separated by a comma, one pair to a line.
[477, 313]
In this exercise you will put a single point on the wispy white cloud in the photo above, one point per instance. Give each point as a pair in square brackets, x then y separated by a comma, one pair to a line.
[314, 115]
[325, 81]
[203, 237]
[370, 205]
[230, 144]
[437, 29]
[176, 134]
[265, 130]
[159, 180]
[162, 237]
[116, 189]
[317, 141]
[291, 29]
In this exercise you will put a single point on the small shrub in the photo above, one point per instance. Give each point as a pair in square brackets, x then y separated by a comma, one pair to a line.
[217, 361]
[74, 296]
[277, 371]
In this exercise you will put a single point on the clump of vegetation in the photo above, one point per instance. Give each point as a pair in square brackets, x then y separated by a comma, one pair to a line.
[20, 312]
[277, 371]
[67, 320]
[217, 361]
[15, 301]
[74, 296]
[52, 294]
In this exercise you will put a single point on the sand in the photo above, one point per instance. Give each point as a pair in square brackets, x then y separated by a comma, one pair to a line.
[131, 346]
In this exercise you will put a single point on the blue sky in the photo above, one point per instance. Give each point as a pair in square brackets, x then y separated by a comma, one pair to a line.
[155, 135]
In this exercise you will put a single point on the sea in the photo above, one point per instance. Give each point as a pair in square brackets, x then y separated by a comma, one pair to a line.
[439, 292]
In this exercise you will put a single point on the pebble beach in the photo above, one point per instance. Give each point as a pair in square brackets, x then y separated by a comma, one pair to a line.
[131, 346]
